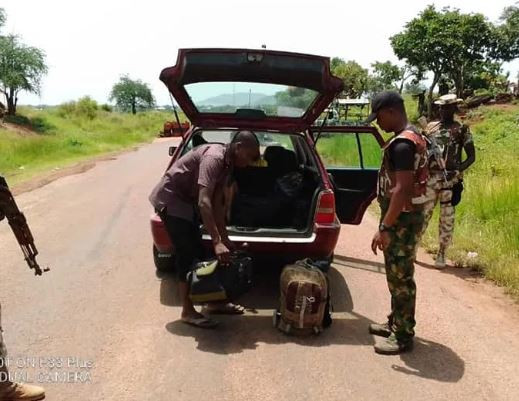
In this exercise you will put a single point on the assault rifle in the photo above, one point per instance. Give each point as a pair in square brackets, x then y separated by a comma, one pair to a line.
[18, 223]
[435, 148]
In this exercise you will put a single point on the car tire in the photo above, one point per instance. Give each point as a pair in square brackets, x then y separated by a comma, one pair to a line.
[164, 262]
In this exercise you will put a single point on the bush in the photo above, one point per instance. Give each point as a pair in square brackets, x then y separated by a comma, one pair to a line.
[107, 107]
[86, 107]
[483, 92]
[67, 109]
[38, 124]
[18, 120]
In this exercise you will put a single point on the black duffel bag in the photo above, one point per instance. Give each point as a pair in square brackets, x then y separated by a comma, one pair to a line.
[210, 282]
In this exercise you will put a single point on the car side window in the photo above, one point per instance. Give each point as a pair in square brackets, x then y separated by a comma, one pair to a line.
[349, 150]
[338, 149]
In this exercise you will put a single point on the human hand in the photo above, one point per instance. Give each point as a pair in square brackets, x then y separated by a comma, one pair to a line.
[380, 241]
[229, 244]
[222, 253]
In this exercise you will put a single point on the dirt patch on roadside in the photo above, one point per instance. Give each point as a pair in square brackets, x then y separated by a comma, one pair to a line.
[78, 168]
[18, 129]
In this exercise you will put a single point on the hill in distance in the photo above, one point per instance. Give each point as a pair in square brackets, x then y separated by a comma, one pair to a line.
[239, 99]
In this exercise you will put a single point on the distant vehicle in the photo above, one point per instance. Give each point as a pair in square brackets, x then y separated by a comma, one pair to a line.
[174, 129]
[262, 216]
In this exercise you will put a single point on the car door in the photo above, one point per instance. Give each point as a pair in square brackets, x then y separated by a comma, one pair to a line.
[352, 157]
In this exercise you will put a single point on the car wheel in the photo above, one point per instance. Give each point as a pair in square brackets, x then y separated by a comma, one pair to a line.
[164, 262]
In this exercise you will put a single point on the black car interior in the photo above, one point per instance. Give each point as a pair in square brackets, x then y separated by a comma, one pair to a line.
[277, 196]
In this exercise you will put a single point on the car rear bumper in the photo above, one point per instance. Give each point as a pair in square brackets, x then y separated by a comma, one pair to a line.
[320, 244]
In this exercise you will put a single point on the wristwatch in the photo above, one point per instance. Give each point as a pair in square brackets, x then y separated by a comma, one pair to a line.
[382, 227]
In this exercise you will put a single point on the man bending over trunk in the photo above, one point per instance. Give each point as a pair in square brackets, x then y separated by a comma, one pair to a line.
[193, 188]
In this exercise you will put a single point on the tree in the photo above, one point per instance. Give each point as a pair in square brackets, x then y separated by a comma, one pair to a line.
[21, 69]
[384, 77]
[295, 97]
[2, 17]
[131, 95]
[455, 45]
[507, 34]
[354, 76]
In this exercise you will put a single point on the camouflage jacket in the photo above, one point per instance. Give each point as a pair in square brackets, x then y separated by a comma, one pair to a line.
[386, 178]
[447, 143]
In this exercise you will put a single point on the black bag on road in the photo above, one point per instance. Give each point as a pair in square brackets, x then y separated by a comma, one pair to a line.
[211, 282]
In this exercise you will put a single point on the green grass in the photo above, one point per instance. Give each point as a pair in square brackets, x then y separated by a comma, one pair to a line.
[57, 139]
[341, 150]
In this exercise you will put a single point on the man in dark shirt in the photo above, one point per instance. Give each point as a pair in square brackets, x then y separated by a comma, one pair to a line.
[402, 181]
[195, 184]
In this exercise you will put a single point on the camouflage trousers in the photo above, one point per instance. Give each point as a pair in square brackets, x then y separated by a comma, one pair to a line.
[399, 259]
[440, 190]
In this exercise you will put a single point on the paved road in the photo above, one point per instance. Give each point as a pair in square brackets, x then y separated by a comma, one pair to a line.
[103, 306]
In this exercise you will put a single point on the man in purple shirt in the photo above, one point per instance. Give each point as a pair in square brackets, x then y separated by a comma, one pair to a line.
[195, 184]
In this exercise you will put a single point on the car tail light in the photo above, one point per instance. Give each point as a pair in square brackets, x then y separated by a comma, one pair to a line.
[325, 212]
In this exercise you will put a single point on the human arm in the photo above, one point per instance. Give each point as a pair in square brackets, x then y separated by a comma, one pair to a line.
[209, 220]
[470, 150]
[209, 197]
[220, 215]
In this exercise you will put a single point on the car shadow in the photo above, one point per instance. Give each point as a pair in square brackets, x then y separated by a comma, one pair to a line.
[236, 334]
[362, 264]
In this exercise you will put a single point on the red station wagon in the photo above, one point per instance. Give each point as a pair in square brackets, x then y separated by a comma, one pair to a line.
[291, 204]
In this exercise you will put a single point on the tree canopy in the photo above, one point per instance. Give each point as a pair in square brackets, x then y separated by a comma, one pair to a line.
[355, 77]
[456, 45]
[21, 69]
[2, 17]
[385, 76]
[132, 95]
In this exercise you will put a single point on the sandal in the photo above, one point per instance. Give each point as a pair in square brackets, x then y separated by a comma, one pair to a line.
[225, 309]
[201, 322]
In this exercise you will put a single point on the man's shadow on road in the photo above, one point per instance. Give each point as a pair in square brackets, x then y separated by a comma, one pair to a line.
[245, 332]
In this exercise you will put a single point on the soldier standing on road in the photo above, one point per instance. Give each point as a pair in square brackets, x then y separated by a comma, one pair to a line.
[402, 181]
[447, 139]
[194, 184]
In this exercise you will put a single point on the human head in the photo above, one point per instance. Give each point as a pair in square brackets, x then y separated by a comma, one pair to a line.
[448, 106]
[389, 111]
[245, 148]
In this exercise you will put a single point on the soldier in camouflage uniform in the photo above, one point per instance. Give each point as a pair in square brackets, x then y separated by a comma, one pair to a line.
[447, 138]
[401, 189]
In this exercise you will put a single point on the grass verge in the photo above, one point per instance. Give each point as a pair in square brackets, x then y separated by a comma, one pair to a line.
[41, 140]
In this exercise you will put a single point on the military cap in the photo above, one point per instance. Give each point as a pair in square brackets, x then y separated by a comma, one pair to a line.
[451, 98]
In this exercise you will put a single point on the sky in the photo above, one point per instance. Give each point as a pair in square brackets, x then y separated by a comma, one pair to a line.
[90, 44]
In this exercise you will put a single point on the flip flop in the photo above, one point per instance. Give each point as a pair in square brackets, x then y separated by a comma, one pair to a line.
[201, 322]
[227, 309]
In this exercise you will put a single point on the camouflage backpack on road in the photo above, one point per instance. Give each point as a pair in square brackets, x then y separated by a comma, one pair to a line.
[304, 299]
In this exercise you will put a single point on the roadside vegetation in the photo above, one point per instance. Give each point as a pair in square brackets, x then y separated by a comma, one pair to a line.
[486, 236]
[35, 141]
